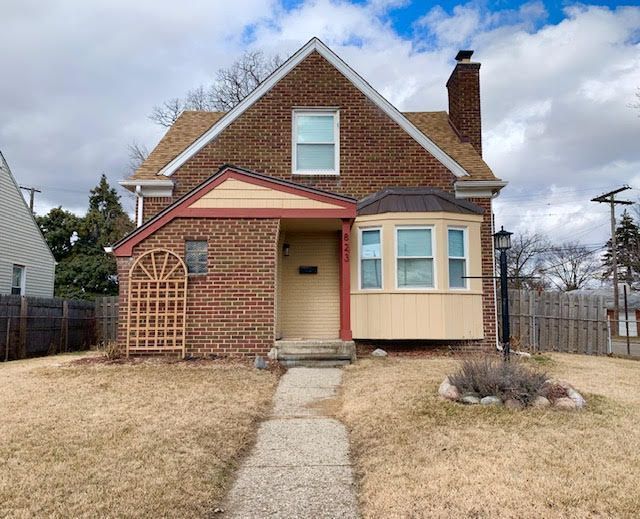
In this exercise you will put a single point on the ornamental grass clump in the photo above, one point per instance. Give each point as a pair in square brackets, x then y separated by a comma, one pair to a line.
[491, 376]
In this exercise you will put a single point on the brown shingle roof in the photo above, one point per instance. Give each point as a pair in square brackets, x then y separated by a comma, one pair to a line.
[435, 125]
[191, 125]
[187, 128]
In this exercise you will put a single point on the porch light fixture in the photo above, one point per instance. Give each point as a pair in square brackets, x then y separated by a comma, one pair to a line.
[285, 249]
[502, 243]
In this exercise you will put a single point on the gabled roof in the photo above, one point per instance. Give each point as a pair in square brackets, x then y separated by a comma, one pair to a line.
[315, 45]
[415, 200]
[297, 201]
[188, 127]
[26, 217]
[192, 124]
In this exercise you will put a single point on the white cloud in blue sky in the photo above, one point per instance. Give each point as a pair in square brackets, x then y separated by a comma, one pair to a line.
[79, 80]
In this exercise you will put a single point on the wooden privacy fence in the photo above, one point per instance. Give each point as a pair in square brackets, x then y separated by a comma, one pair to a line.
[556, 321]
[106, 319]
[32, 326]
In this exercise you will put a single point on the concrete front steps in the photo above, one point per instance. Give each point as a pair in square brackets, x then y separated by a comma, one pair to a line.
[313, 352]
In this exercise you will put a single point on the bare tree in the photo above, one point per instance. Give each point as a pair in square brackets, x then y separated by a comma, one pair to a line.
[230, 86]
[572, 266]
[525, 260]
[138, 153]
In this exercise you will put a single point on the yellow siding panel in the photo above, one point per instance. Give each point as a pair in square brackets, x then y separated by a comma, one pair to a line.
[235, 194]
[310, 303]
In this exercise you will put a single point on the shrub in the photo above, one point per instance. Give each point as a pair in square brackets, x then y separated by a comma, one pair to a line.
[112, 350]
[491, 376]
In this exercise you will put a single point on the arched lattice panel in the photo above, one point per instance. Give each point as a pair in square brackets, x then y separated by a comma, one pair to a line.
[157, 304]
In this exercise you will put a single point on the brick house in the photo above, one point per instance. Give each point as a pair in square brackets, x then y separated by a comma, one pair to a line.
[313, 211]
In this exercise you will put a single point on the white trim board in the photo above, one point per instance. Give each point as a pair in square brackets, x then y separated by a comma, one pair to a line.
[314, 45]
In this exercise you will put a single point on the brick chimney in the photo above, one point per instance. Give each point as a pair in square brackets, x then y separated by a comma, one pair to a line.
[464, 99]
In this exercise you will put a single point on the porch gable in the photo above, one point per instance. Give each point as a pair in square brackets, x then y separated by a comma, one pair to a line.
[234, 192]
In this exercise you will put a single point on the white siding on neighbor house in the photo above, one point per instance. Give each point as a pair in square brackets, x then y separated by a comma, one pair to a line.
[21, 242]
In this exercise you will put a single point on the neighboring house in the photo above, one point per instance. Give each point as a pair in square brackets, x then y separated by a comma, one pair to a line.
[313, 211]
[633, 307]
[27, 266]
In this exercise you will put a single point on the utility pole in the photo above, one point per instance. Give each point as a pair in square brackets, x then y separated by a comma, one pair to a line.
[610, 198]
[32, 192]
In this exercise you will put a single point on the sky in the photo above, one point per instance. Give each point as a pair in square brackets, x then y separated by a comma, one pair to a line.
[558, 84]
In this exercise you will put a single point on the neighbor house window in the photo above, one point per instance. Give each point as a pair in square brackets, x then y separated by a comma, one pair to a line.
[370, 259]
[414, 256]
[457, 258]
[17, 280]
[196, 257]
[315, 142]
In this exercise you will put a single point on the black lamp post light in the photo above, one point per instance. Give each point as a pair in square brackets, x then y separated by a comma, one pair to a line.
[502, 243]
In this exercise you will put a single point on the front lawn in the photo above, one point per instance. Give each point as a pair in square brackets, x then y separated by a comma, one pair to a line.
[417, 455]
[147, 440]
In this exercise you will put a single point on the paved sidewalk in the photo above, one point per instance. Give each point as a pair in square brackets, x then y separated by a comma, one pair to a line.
[300, 464]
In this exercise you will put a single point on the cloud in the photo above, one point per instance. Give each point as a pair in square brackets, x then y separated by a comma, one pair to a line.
[556, 116]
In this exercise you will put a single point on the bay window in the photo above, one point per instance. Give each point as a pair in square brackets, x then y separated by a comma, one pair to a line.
[414, 257]
[316, 142]
[370, 258]
[457, 245]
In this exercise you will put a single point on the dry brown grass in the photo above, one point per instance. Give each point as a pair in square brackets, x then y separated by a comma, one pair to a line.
[419, 456]
[146, 440]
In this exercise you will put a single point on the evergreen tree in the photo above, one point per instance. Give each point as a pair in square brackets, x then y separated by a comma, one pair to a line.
[84, 270]
[60, 229]
[628, 251]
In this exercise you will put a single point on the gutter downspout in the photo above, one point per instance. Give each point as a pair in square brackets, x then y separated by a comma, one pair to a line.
[139, 206]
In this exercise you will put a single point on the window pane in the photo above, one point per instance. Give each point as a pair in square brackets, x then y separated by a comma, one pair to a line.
[310, 157]
[371, 273]
[16, 280]
[456, 243]
[196, 257]
[315, 128]
[415, 273]
[370, 244]
[414, 242]
[456, 273]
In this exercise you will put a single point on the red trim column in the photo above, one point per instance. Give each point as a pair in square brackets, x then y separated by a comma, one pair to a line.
[345, 281]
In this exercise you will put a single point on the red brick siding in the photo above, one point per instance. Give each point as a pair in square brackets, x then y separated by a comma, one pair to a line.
[231, 309]
[374, 153]
[464, 102]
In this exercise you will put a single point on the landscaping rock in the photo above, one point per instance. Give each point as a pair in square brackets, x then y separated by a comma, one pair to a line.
[470, 399]
[490, 400]
[260, 362]
[577, 398]
[378, 353]
[564, 403]
[540, 401]
[448, 391]
[512, 403]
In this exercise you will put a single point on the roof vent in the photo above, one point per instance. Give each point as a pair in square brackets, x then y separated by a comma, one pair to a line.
[464, 56]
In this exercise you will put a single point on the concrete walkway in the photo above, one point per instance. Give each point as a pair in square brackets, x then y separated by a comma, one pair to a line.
[300, 464]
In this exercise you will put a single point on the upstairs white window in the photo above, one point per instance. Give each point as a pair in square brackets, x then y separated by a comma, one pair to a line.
[316, 142]
[370, 259]
[17, 280]
[414, 257]
[457, 239]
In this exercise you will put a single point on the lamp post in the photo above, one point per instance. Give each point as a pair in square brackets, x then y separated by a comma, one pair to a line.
[502, 243]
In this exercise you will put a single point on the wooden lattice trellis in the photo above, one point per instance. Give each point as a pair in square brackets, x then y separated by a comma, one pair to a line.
[157, 304]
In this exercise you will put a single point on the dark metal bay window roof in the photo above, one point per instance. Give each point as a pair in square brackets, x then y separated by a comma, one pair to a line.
[415, 200]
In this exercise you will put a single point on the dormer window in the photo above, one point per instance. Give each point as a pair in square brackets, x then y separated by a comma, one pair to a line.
[316, 142]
